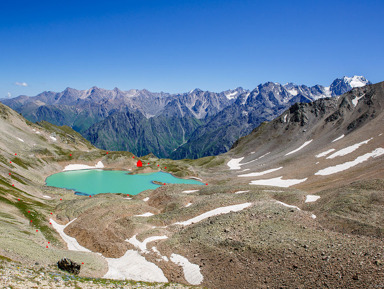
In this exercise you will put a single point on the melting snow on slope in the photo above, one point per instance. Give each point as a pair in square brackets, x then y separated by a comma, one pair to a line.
[190, 191]
[260, 173]
[296, 150]
[342, 167]
[74, 167]
[234, 164]
[348, 150]
[263, 155]
[143, 245]
[191, 271]
[311, 198]
[323, 154]
[339, 138]
[165, 258]
[72, 243]
[289, 206]
[278, 182]
[148, 214]
[53, 138]
[20, 139]
[241, 192]
[133, 266]
[355, 101]
[215, 212]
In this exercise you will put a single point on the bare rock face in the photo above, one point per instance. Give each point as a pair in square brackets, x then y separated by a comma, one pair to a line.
[69, 266]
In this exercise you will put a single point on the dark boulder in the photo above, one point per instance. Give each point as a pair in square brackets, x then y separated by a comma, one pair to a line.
[69, 266]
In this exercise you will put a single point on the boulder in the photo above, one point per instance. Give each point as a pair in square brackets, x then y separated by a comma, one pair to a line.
[68, 265]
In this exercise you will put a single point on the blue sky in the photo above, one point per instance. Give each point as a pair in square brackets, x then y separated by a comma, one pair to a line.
[175, 46]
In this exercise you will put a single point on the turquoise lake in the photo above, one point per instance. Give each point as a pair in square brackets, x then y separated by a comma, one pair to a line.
[93, 182]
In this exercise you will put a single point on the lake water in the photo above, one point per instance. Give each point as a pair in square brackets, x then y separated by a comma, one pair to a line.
[93, 182]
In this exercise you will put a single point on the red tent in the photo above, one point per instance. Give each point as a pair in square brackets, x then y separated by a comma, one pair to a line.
[139, 164]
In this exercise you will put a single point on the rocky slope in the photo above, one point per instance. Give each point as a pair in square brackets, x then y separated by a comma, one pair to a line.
[202, 123]
[250, 109]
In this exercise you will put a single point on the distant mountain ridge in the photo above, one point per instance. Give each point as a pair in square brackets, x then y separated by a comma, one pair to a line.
[186, 125]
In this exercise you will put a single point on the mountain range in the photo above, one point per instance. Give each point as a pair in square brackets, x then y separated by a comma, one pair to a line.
[185, 125]
[296, 203]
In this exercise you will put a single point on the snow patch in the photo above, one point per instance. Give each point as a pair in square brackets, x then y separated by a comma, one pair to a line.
[296, 150]
[20, 139]
[190, 191]
[311, 198]
[75, 167]
[278, 182]
[165, 258]
[355, 101]
[187, 205]
[231, 95]
[146, 199]
[339, 138]
[263, 155]
[53, 138]
[47, 197]
[342, 167]
[348, 150]
[323, 154]
[289, 206]
[215, 212]
[143, 245]
[72, 243]
[234, 164]
[133, 266]
[260, 173]
[313, 216]
[191, 271]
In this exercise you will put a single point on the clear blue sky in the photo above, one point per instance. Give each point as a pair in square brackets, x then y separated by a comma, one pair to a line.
[178, 45]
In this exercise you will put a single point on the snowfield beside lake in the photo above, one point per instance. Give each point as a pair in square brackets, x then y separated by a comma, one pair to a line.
[75, 167]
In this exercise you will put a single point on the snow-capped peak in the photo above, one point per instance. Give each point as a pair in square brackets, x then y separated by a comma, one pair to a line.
[356, 81]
